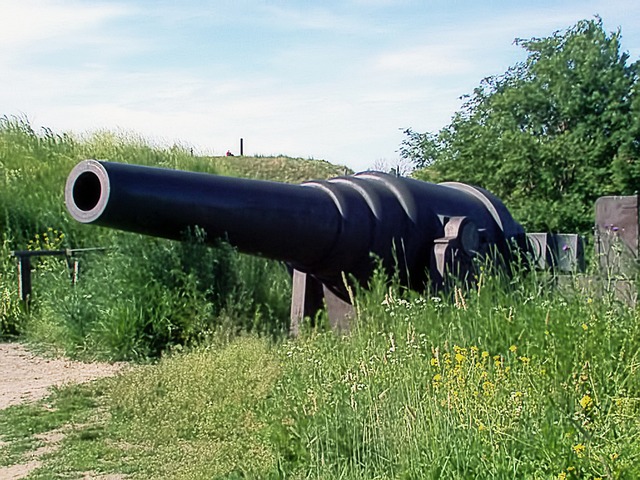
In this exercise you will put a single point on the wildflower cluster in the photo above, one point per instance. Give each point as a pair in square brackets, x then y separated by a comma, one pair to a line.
[587, 451]
[478, 388]
[9, 301]
[586, 411]
[52, 239]
[395, 306]
[9, 176]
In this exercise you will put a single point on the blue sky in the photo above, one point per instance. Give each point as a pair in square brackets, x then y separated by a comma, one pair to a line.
[334, 80]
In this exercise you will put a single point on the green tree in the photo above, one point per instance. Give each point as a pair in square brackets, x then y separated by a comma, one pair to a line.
[551, 134]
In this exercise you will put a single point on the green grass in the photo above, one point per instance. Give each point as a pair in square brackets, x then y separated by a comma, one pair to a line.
[23, 428]
[141, 296]
[488, 384]
[495, 382]
[280, 169]
[508, 379]
[196, 415]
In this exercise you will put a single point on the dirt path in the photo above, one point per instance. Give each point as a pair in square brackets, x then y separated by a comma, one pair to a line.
[25, 376]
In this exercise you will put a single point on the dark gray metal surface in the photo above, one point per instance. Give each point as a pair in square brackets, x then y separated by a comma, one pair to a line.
[325, 229]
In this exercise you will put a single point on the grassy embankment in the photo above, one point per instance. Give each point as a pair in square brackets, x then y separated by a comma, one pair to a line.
[168, 293]
[510, 379]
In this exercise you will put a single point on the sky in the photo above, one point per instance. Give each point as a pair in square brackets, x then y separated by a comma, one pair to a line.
[337, 80]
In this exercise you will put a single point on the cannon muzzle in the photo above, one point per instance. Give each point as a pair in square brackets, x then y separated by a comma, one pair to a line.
[326, 230]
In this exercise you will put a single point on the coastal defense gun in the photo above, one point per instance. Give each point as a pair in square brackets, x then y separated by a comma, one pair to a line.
[329, 232]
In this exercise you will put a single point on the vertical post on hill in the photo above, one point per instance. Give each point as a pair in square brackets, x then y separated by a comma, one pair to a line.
[241, 147]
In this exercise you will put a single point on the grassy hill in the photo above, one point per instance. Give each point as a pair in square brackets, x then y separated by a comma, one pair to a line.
[511, 378]
[279, 169]
[222, 287]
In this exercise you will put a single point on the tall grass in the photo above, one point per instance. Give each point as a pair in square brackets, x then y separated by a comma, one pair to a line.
[513, 378]
[141, 296]
[494, 382]
[498, 381]
[205, 406]
[12, 315]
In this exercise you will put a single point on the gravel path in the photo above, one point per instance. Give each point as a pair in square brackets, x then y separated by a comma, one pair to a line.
[26, 377]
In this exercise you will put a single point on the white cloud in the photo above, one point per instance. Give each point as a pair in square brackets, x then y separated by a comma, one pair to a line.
[29, 21]
[339, 98]
[318, 18]
[431, 60]
[57, 33]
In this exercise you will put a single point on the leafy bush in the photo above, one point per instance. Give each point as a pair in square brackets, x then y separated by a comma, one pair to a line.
[551, 134]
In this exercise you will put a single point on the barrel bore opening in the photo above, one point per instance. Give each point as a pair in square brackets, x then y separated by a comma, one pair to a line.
[87, 191]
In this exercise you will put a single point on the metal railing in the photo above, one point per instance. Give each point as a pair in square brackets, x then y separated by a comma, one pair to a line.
[24, 265]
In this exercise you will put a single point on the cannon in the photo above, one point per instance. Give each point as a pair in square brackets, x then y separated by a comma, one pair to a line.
[331, 233]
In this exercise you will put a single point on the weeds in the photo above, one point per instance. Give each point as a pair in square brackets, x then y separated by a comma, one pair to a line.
[496, 381]
[511, 378]
[479, 385]
[142, 296]
[12, 315]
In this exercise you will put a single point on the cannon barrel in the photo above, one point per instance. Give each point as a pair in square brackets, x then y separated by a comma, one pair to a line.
[321, 228]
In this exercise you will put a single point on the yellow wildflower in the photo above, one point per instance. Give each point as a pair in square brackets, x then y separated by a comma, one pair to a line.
[562, 476]
[513, 349]
[447, 358]
[585, 327]
[586, 402]
[579, 449]
[497, 360]
[487, 387]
